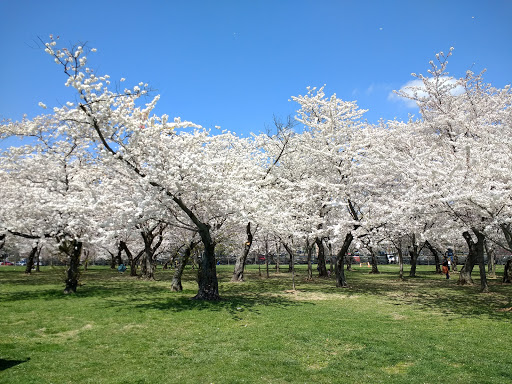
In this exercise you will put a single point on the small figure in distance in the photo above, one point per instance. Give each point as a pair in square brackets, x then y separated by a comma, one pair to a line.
[446, 268]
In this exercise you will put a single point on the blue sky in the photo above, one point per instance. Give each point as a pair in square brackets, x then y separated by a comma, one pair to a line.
[237, 63]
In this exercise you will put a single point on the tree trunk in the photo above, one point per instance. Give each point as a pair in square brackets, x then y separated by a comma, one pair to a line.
[507, 274]
[322, 270]
[238, 273]
[30, 260]
[436, 256]
[178, 273]
[278, 251]
[341, 281]
[484, 287]
[413, 252]
[116, 259]
[331, 257]
[491, 259]
[400, 261]
[349, 262]
[207, 271]
[131, 260]
[148, 263]
[266, 257]
[38, 259]
[467, 269]
[309, 249]
[72, 273]
[455, 262]
[375, 268]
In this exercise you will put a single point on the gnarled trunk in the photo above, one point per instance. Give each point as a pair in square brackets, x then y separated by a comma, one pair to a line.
[72, 273]
[467, 269]
[238, 272]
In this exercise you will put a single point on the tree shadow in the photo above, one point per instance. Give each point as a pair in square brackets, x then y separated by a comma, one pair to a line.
[234, 304]
[440, 295]
[6, 364]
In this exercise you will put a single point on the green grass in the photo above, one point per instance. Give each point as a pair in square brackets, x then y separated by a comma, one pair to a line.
[118, 329]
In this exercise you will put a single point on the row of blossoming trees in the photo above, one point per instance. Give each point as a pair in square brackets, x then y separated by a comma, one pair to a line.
[106, 172]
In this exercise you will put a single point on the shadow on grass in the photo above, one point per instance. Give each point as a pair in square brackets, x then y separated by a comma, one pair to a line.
[6, 364]
[433, 292]
[427, 291]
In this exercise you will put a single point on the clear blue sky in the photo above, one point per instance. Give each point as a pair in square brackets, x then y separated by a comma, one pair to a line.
[236, 63]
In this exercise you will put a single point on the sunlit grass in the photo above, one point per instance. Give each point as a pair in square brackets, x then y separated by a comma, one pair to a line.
[118, 329]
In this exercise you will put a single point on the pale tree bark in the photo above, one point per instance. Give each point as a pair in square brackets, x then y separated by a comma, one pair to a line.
[491, 259]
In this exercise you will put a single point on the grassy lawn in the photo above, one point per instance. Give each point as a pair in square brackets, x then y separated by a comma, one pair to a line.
[118, 329]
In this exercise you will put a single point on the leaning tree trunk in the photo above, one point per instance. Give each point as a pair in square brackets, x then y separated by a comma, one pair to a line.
[491, 259]
[341, 281]
[238, 273]
[436, 256]
[30, 260]
[467, 269]
[178, 273]
[72, 273]
[507, 275]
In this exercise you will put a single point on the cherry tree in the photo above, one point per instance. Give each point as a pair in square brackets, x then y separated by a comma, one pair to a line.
[466, 124]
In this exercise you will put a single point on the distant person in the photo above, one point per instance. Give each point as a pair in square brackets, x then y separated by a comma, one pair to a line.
[446, 267]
